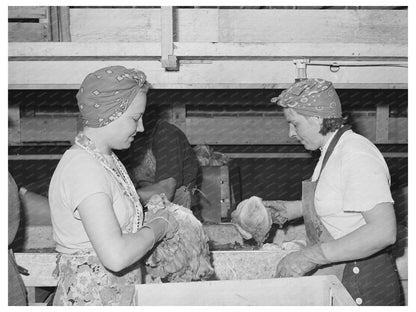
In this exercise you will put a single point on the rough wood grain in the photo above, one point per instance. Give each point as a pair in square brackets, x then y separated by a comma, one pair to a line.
[238, 73]
[28, 32]
[313, 26]
[39, 12]
[198, 50]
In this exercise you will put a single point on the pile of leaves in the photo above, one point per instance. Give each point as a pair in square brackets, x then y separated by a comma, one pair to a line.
[208, 157]
[185, 257]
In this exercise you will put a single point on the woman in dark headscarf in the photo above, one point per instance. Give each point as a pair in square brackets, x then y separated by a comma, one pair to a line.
[96, 212]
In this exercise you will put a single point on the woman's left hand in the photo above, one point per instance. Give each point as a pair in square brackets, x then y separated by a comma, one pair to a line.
[301, 262]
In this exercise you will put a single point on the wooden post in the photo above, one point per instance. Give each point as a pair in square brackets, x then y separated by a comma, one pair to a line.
[225, 192]
[14, 124]
[65, 31]
[169, 61]
[59, 24]
[382, 124]
[53, 24]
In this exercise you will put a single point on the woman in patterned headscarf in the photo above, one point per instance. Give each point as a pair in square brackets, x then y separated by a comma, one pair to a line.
[346, 206]
[96, 212]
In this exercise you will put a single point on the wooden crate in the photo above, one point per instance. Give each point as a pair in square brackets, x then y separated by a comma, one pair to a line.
[301, 291]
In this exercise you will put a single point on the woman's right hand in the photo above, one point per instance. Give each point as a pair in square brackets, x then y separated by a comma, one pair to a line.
[163, 224]
[283, 211]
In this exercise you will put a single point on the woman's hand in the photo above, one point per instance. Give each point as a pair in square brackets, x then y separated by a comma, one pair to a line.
[115, 249]
[163, 224]
[282, 211]
[301, 262]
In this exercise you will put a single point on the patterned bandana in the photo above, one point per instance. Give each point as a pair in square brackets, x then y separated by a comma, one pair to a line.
[106, 94]
[311, 97]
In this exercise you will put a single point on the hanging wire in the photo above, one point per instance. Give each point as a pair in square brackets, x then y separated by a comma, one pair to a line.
[335, 67]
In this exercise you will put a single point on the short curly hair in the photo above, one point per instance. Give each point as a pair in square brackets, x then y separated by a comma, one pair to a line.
[332, 124]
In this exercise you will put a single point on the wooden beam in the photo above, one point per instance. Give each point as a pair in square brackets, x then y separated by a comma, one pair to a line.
[64, 23]
[79, 50]
[380, 53]
[231, 155]
[168, 59]
[59, 23]
[14, 123]
[53, 24]
[274, 130]
[238, 130]
[18, 12]
[238, 73]
[28, 32]
[291, 50]
[48, 129]
[297, 155]
[36, 157]
[234, 25]
[314, 26]
[127, 25]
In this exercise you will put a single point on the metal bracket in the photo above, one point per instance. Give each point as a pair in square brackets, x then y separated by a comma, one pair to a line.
[301, 68]
[171, 63]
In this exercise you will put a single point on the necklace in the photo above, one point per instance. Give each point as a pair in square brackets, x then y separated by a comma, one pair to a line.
[119, 173]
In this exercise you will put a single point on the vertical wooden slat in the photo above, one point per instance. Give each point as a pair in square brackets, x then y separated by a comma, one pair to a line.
[27, 12]
[14, 124]
[59, 24]
[31, 295]
[169, 60]
[225, 191]
[382, 124]
[53, 24]
[64, 23]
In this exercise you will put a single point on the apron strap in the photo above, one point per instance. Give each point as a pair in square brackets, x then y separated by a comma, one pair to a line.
[331, 147]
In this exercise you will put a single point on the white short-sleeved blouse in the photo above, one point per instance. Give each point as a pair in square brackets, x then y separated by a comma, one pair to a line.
[77, 176]
[355, 179]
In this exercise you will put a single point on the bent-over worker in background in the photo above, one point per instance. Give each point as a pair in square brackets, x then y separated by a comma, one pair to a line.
[96, 214]
[170, 157]
[347, 206]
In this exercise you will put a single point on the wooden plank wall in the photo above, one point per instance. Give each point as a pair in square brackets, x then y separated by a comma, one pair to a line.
[35, 29]
[313, 26]
[220, 48]
[215, 130]
[233, 25]
[253, 74]
[206, 40]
